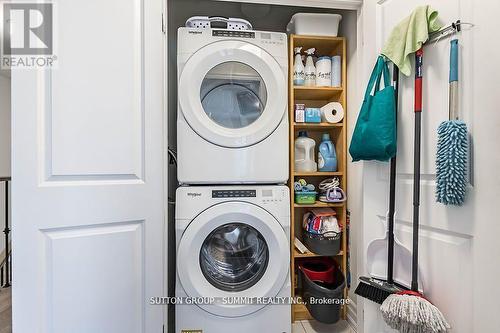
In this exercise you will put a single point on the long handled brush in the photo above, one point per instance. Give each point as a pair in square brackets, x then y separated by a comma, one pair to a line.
[409, 311]
[378, 290]
[452, 146]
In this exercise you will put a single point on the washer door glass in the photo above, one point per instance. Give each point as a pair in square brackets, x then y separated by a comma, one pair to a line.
[233, 94]
[234, 257]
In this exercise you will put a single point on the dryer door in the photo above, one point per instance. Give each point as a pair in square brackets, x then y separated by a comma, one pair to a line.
[232, 250]
[232, 93]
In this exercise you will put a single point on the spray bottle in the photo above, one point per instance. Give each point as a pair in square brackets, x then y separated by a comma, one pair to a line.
[310, 70]
[298, 68]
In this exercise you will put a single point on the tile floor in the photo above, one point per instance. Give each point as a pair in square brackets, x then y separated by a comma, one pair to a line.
[307, 326]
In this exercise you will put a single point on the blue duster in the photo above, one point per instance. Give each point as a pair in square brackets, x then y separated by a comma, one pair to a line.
[452, 146]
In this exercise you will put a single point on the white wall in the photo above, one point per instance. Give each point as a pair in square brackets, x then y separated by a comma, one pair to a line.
[4, 147]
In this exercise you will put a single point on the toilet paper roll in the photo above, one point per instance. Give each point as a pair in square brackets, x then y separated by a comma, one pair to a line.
[332, 112]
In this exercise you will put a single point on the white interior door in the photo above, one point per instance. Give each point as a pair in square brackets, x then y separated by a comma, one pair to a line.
[449, 250]
[87, 174]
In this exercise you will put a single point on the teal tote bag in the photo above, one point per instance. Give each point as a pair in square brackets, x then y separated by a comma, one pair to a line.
[374, 136]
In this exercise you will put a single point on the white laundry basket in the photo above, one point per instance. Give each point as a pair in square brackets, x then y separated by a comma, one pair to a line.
[316, 24]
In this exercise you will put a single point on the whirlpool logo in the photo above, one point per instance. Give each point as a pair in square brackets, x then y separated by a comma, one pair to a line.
[195, 32]
[194, 194]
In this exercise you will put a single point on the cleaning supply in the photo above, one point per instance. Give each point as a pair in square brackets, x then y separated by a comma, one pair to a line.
[409, 311]
[374, 288]
[298, 68]
[327, 156]
[330, 190]
[324, 72]
[310, 70]
[374, 136]
[452, 146]
[312, 115]
[336, 71]
[409, 36]
[300, 114]
[304, 153]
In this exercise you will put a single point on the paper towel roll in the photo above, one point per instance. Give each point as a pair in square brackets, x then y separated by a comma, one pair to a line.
[332, 112]
[336, 71]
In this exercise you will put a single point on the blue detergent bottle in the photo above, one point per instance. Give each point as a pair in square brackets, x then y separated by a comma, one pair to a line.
[327, 156]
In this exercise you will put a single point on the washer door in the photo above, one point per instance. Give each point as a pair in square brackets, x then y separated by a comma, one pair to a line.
[233, 249]
[232, 93]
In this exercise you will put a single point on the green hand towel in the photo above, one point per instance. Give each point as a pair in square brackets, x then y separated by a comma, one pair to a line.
[409, 35]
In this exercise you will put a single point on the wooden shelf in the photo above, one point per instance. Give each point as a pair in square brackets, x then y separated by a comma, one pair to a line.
[300, 312]
[317, 97]
[321, 126]
[317, 93]
[313, 255]
[318, 174]
[320, 204]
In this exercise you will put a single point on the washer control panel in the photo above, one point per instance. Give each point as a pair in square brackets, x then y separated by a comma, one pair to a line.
[234, 193]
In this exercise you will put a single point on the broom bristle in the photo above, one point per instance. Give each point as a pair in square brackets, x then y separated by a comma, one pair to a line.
[372, 293]
[413, 314]
[451, 162]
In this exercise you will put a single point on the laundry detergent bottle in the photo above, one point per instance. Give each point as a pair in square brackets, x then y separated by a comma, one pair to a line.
[310, 70]
[327, 156]
[298, 68]
[304, 153]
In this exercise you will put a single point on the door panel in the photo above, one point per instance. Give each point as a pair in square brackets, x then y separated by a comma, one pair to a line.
[80, 257]
[446, 232]
[87, 192]
[79, 115]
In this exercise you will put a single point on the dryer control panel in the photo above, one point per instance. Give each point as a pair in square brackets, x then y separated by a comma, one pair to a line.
[233, 33]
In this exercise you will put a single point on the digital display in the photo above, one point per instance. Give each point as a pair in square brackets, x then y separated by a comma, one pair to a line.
[267, 193]
[234, 194]
[233, 33]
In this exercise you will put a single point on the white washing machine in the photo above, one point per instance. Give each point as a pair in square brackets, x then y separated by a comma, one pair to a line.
[232, 120]
[233, 259]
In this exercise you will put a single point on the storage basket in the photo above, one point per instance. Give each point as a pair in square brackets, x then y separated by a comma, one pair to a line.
[305, 197]
[322, 244]
[315, 24]
[324, 300]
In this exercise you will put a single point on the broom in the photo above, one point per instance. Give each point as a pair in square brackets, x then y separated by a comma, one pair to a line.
[452, 146]
[378, 290]
[409, 311]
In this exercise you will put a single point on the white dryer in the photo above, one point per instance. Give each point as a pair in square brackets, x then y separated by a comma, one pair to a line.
[232, 120]
[233, 259]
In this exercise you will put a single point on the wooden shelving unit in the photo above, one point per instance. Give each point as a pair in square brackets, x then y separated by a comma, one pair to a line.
[317, 97]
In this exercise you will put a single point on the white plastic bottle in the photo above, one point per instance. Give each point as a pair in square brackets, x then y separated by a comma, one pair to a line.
[304, 153]
[310, 70]
[298, 68]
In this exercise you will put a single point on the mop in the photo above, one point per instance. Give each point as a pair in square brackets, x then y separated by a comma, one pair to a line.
[452, 146]
[409, 311]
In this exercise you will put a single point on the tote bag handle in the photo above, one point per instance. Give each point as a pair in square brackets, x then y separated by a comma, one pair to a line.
[379, 70]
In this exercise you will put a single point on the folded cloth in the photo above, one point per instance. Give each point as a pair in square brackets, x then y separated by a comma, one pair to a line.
[409, 36]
